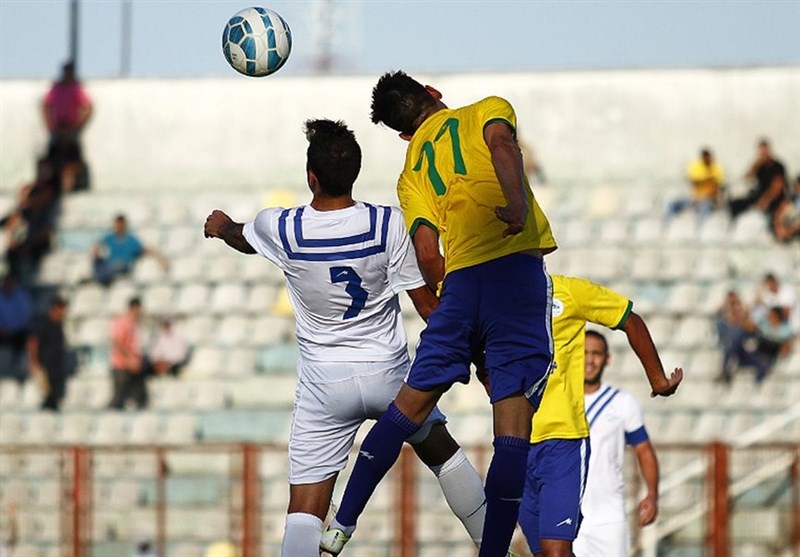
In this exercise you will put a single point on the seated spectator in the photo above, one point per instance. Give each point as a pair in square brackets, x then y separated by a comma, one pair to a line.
[118, 251]
[769, 189]
[772, 294]
[707, 179]
[731, 320]
[48, 356]
[15, 322]
[169, 351]
[770, 338]
[66, 109]
[127, 358]
[786, 222]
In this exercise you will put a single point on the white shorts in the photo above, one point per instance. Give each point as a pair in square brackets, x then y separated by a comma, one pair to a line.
[327, 414]
[602, 540]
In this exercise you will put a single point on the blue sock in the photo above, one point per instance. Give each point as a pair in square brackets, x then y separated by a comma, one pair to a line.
[378, 453]
[505, 482]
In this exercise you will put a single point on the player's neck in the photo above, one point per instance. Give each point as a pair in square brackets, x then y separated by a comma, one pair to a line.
[325, 203]
[589, 388]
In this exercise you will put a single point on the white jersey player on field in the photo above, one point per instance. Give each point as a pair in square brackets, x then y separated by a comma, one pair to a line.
[615, 420]
[345, 263]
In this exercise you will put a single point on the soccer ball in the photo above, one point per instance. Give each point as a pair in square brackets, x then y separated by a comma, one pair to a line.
[256, 42]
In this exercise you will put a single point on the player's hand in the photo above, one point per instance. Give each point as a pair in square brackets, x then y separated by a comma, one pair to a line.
[513, 215]
[215, 222]
[672, 384]
[648, 510]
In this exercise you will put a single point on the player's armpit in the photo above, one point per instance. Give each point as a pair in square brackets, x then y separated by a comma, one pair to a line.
[429, 259]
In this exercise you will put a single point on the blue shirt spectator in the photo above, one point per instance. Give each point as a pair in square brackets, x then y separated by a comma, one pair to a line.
[117, 253]
[16, 311]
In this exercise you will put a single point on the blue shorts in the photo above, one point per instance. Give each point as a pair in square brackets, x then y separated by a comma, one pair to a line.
[554, 484]
[503, 305]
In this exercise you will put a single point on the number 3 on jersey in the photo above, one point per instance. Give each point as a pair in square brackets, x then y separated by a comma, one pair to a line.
[429, 153]
[353, 288]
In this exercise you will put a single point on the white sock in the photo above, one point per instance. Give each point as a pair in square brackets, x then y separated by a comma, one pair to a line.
[463, 490]
[301, 535]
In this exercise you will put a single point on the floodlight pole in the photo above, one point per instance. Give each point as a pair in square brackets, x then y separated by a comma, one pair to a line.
[125, 38]
[74, 32]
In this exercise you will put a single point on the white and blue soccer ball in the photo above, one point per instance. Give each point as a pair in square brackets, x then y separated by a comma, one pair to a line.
[256, 42]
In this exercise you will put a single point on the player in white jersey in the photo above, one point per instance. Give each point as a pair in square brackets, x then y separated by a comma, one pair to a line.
[345, 263]
[615, 420]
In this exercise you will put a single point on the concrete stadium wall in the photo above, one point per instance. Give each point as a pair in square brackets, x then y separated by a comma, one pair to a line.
[603, 126]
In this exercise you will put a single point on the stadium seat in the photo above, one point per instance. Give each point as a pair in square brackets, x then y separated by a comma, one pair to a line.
[205, 362]
[148, 270]
[197, 330]
[40, 429]
[228, 298]
[267, 330]
[179, 429]
[173, 211]
[110, 428]
[261, 298]
[750, 229]
[144, 428]
[240, 362]
[193, 299]
[120, 294]
[181, 240]
[159, 298]
[74, 428]
[93, 331]
[234, 330]
[186, 269]
[88, 301]
[10, 426]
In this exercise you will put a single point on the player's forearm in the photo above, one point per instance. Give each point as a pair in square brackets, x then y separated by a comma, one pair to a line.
[507, 163]
[231, 233]
[644, 347]
[648, 466]
[425, 301]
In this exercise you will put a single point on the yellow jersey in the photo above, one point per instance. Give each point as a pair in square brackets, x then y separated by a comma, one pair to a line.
[561, 414]
[706, 179]
[449, 183]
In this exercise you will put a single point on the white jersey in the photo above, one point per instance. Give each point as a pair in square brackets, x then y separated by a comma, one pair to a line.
[615, 419]
[344, 270]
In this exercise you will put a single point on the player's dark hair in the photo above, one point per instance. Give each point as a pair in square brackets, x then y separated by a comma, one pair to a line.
[399, 102]
[333, 155]
[600, 337]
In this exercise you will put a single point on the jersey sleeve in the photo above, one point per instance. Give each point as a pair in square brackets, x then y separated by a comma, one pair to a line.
[404, 274]
[262, 235]
[416, 201]
[599, 304]
[497, 109]
[633, 420]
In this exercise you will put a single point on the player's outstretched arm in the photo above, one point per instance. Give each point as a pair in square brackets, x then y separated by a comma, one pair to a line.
[648, 466]
[508, 166]
[642, 343]
[219, 225]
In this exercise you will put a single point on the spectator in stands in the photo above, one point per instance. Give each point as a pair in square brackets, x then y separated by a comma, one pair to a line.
[769, 189]
[118, 251]
[15, 322]
[786, 222]
[731, 320]
[169, 351]
[47, 354]
[29, 231]
[127, 358]
[66, 109]
[772, 338]
[772, 294]
[530, 164]
[707, 179]
[145, 548]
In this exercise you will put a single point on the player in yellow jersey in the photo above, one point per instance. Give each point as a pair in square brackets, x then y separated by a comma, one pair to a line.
[559, 456]
[463, 184]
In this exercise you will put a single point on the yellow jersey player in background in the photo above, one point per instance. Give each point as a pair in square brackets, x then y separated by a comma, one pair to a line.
[559, 456]
[464, 184]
